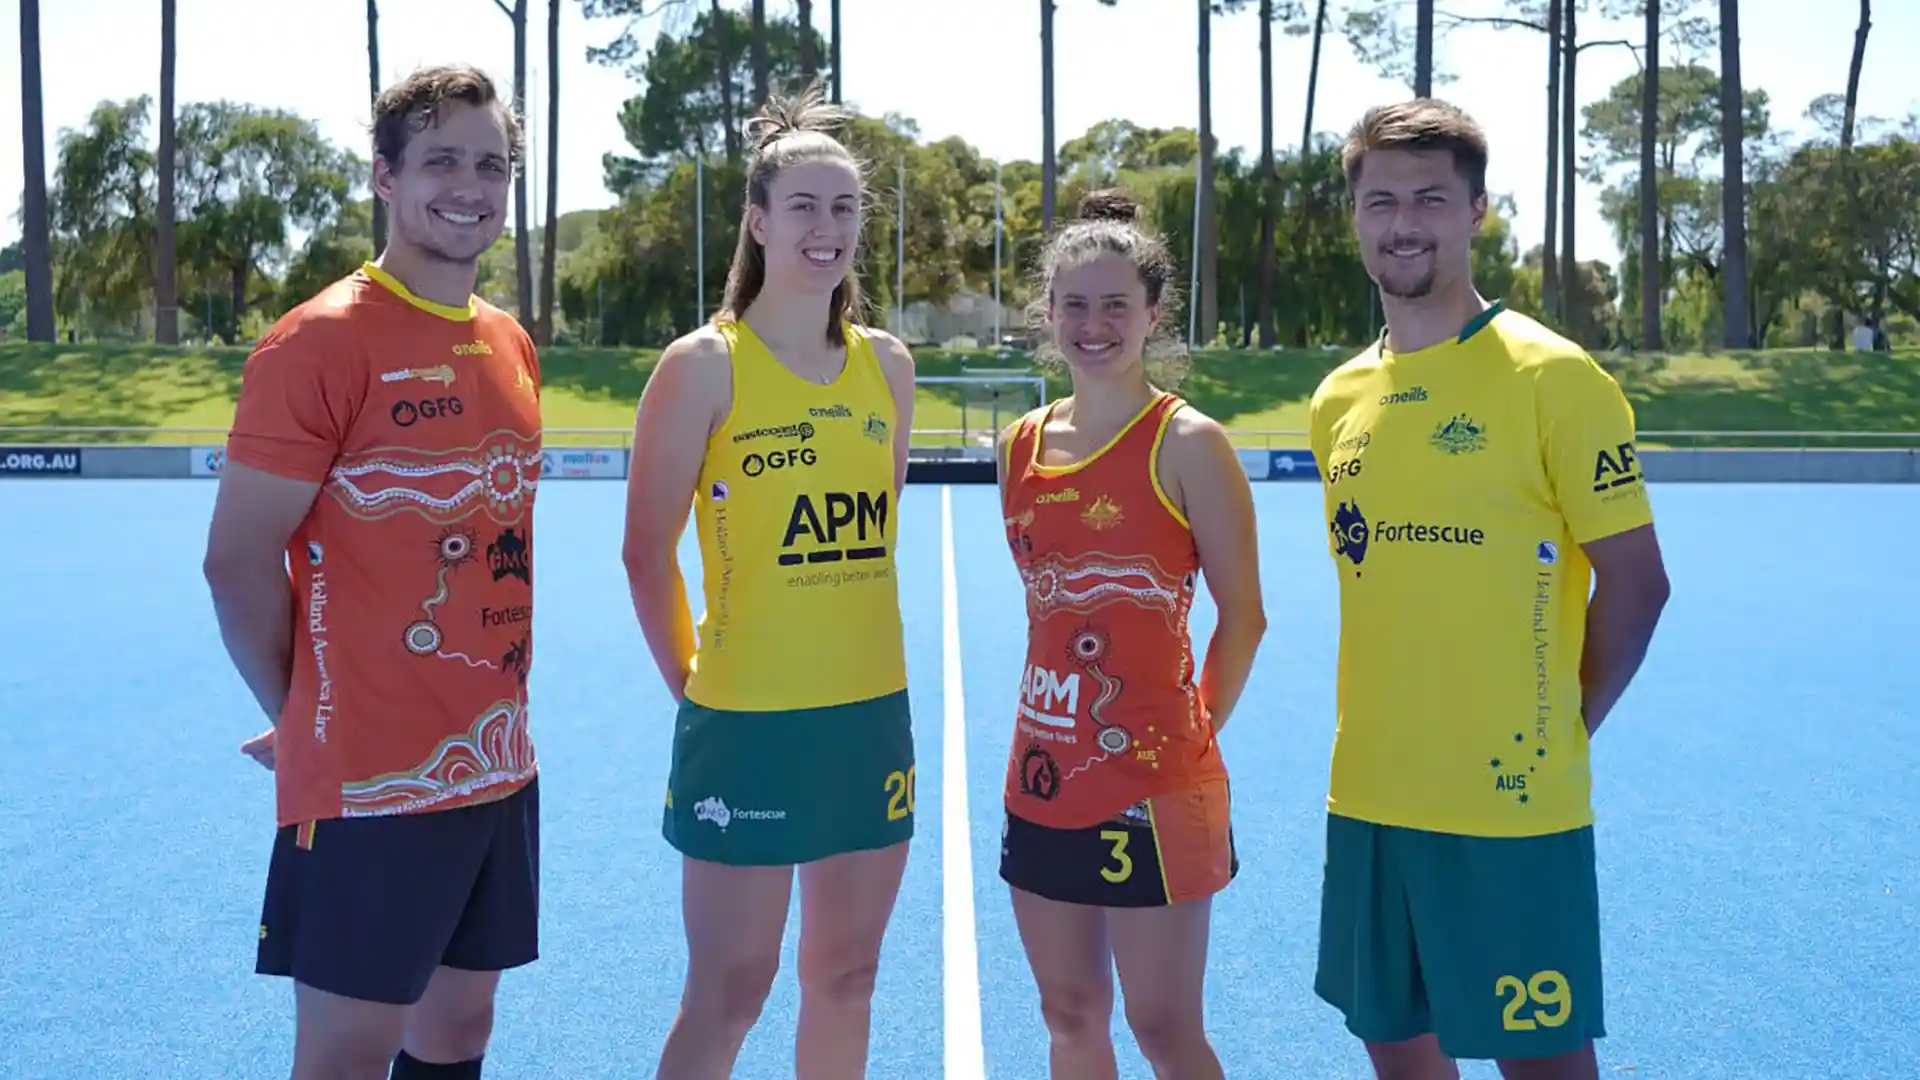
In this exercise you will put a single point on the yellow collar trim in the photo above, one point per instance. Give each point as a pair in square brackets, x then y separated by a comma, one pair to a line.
[394, 286]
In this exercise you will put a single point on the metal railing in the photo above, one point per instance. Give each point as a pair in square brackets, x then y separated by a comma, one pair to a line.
[1246, 438]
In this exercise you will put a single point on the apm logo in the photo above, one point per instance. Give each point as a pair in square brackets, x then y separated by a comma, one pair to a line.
[1615, 469]
[861, 514]
[1049, 699]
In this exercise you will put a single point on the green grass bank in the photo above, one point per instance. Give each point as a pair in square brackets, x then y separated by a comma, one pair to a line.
[1253, 392]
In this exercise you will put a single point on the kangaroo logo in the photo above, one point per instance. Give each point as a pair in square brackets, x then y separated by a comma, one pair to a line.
[1350, 533]
[1039, 774]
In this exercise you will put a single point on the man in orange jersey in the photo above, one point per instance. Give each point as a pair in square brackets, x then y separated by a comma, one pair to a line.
[385, 450]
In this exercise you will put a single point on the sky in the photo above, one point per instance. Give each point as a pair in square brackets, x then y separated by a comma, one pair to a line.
[969, 69]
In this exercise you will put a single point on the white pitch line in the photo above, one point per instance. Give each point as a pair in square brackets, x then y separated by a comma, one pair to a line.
[966, 1056]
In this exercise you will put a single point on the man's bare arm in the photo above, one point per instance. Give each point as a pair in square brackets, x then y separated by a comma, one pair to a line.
[254, 515]
[1630, 591]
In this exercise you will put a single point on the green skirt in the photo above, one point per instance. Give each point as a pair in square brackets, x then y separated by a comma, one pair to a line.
[790, 786]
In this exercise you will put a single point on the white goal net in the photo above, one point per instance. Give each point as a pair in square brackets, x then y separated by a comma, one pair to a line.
[962, 413]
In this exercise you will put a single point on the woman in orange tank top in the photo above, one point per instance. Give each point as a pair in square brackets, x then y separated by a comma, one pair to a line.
[1119, 499]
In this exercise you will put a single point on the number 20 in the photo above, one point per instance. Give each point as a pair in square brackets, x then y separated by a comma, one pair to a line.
[900, 793]
[1544, 988]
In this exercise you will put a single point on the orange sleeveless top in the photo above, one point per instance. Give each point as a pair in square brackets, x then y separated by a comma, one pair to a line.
[1108, 713]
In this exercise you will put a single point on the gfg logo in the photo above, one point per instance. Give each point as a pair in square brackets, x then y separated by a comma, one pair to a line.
[407, 413]
[755, 464]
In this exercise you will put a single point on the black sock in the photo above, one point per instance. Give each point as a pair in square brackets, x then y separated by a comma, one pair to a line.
[408, 1067]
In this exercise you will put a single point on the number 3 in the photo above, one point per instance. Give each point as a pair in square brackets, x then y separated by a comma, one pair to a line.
[1118, 838]
[900, 793]
[1548, 988]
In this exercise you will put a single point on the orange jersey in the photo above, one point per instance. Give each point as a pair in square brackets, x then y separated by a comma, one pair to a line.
[1109, 714]
[413, 571]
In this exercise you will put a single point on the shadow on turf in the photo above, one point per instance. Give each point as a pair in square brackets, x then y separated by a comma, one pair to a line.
[110, 385]
[1785, 390]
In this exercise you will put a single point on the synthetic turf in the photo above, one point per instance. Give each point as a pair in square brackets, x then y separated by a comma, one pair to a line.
[1758, 795]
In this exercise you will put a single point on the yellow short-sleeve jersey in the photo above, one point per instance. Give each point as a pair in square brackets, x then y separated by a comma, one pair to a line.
[1460, 482]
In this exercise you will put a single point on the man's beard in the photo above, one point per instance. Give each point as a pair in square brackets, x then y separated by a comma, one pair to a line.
[1419, 287]
[1417, 291]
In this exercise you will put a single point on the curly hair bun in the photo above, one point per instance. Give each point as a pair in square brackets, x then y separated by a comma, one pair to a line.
[1109, 204]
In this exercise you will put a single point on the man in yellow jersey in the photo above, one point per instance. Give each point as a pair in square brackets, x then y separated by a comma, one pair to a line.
[1478, 471]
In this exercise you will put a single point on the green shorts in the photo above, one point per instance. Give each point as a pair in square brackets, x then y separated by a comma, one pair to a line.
[1492, 944]
[792, 786]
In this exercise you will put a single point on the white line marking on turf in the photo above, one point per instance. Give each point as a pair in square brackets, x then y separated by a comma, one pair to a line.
[966, 1056]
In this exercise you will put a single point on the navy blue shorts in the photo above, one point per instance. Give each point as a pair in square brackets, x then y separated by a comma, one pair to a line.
[367, 908]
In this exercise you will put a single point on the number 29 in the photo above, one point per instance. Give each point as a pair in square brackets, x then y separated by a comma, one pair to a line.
[1547, 991]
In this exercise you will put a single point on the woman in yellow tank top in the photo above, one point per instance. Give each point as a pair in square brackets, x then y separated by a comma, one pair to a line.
[785, 425]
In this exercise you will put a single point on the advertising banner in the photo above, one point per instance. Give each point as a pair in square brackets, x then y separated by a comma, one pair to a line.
[584, 463]
[40, 460]
[1293, 465]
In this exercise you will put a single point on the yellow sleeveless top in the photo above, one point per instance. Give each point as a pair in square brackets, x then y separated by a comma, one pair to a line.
[797, 516]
